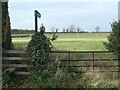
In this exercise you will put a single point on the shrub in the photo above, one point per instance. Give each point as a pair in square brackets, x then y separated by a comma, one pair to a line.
[104, 84]
[113, 43]
[38, 49]
[51, 77]
[8, 79]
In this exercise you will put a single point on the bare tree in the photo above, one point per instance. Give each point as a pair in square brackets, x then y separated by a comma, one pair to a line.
[97, 29]
[72, 28]
[67, 30]
[63, 29]
[53, 29]
[78, 29]
[57, 29]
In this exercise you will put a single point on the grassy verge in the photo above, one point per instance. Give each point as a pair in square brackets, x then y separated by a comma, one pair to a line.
[53, 77]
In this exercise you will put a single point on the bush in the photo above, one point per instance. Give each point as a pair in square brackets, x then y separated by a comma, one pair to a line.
[113, 43]
[104, 84]
[8, 79]
[38, 49]
[51, 77]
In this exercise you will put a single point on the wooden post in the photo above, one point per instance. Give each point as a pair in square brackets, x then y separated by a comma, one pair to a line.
[119, 67]
[0, 43]
[93, 59]
[37, 14]
[119, 73]
[36, 26]
[69, 60]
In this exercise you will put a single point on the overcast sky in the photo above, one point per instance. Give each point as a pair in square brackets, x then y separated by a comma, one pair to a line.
[59, 14]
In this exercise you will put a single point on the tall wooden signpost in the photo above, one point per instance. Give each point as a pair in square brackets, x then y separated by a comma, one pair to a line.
[0, 43]
[37, 15]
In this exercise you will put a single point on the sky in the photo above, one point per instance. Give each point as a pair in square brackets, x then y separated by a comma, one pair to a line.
[61, 14]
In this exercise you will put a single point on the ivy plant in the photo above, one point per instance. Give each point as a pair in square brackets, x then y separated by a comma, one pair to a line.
[39, 49]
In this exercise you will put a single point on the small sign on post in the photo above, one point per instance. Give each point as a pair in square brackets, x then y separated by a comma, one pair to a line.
[37, 15]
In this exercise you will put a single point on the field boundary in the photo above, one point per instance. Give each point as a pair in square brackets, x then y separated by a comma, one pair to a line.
[93, 59]
[17, 59]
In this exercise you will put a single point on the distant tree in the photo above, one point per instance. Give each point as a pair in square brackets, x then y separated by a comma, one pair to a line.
[57, 29]
[53, 29]
[72, 28]
[78, 29]
[67, 30]
[21, 31]
[63, 29]
[97, 29]
[113, 43]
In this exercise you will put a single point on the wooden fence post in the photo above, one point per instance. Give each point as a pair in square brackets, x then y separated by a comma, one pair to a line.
[119, 67]
[69, 59]
[93, 59]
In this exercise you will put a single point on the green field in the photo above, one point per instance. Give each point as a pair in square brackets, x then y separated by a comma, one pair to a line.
[69, 41]
[81, 41]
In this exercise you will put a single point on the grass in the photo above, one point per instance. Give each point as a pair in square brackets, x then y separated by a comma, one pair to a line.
[69, 41]
[74, 41]
[53, 77]
[78, 45]
[81, 41]
[20, 43]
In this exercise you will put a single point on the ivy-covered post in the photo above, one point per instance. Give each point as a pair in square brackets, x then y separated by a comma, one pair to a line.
[1, 33]
[7, 33]
[6, 29]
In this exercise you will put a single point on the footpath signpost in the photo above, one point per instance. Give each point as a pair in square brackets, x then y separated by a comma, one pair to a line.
[37, 15]
[0, 43]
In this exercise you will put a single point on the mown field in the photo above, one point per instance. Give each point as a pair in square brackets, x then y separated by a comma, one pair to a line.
[69, 41]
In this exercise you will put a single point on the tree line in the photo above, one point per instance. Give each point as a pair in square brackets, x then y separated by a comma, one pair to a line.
[73, 28]
[21, 31]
